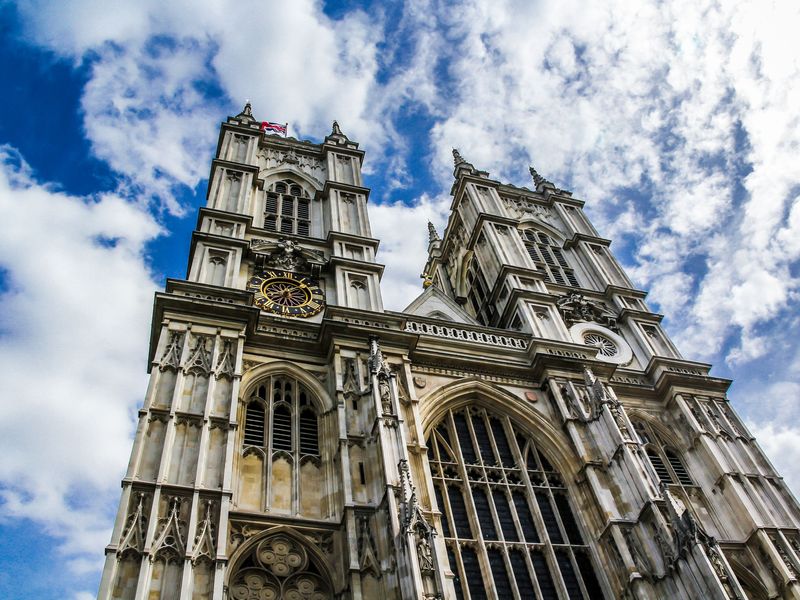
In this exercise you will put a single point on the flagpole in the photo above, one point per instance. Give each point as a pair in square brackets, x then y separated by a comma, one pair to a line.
[286, 130]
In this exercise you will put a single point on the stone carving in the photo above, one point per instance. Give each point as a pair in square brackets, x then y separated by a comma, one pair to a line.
[281, 569]
[575, 308]
[367, 554]
[685, 532]
[132, 541]
[171, 359]
[377, 364]
[286, 254]
[204, 546]
[538, 179]
[169, 542]
[239, 533]
[457, 333]
[199, 360]
[273, 158]
[433, 236]
[225, 362]
[457, 158]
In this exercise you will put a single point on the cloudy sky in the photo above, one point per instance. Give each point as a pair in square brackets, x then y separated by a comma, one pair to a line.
[676, 121]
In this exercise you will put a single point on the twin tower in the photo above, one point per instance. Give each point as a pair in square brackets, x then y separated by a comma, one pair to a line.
[524, 429]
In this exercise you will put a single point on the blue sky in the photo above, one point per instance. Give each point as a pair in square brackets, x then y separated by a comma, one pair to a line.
[676, 121]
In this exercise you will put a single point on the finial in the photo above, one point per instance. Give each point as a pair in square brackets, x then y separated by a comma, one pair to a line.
[432, 234]
[457, 158]
[248, 108]
[335, 130]
[537, 179]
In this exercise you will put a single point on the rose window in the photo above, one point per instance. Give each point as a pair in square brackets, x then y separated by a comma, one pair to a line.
[604, 345]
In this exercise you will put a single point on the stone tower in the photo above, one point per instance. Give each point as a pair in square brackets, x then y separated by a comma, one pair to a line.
[524, 429]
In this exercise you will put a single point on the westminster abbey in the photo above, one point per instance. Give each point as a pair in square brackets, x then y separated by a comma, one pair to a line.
[524, 429]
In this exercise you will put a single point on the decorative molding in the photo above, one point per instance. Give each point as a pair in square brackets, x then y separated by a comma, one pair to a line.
[466, 335]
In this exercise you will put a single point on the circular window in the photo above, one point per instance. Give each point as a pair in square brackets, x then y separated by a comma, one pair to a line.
[611, 347]
[604, 345]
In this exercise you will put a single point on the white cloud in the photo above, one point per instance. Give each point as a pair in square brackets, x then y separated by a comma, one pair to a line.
[74, 318]
[149, 106]
[781, 443]
[403, 232]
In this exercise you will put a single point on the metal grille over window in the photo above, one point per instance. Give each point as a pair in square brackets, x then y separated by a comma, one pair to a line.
[548, 258]
[666, 462]
[281, 406]
[287, 209]
[509, 497]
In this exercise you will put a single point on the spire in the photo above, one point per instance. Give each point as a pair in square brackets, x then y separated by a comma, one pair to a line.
[247, 112]
[433, 236]
[538, 179]
[457, 158]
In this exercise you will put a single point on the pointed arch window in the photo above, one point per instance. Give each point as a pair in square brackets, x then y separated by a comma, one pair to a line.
[287, 209]
[667, 463]
[492, 483]
[548, 257]
[478, 293]
[281, 417]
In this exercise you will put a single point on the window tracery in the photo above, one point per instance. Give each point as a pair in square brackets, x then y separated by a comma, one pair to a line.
[279, 567]
[280, 465]
[287, 209]
[548, 257]
[522, 535]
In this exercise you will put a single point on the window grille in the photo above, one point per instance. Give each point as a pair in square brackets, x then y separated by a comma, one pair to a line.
[523, 489]
[548, 258]
[287, 209]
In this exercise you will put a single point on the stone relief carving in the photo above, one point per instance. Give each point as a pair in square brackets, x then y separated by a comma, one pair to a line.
[132, 540]
[225, 362]
[287, 255]
[367, 553]
[170, 542]
[281, 568]
[204, 547]
[199, 360]
[272, 158]
[171, 359]
[576, 308]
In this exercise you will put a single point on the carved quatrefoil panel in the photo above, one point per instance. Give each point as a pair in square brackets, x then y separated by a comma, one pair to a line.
[283, 571]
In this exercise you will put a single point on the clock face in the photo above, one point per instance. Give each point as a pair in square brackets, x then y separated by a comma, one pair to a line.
[286, 294]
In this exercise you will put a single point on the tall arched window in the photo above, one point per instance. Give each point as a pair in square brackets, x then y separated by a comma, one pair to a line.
[548, 257]
[287, 209]
[280, 464]
[667, 462]
[506, 516]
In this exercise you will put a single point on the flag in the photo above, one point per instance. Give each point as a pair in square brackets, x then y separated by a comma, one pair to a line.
[269, 127]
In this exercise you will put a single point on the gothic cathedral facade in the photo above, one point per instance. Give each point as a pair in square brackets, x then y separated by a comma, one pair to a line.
[524, 429]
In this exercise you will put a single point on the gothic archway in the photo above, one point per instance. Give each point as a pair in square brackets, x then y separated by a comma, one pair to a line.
[507, 519]
[279, 567]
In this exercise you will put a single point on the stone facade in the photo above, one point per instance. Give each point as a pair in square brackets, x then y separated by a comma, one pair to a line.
[524, 429]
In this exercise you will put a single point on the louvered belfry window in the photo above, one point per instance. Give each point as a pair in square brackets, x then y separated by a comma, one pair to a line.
[287, 209]
[548, 257]
[281, 417]
[666, 462]
[493, 484]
